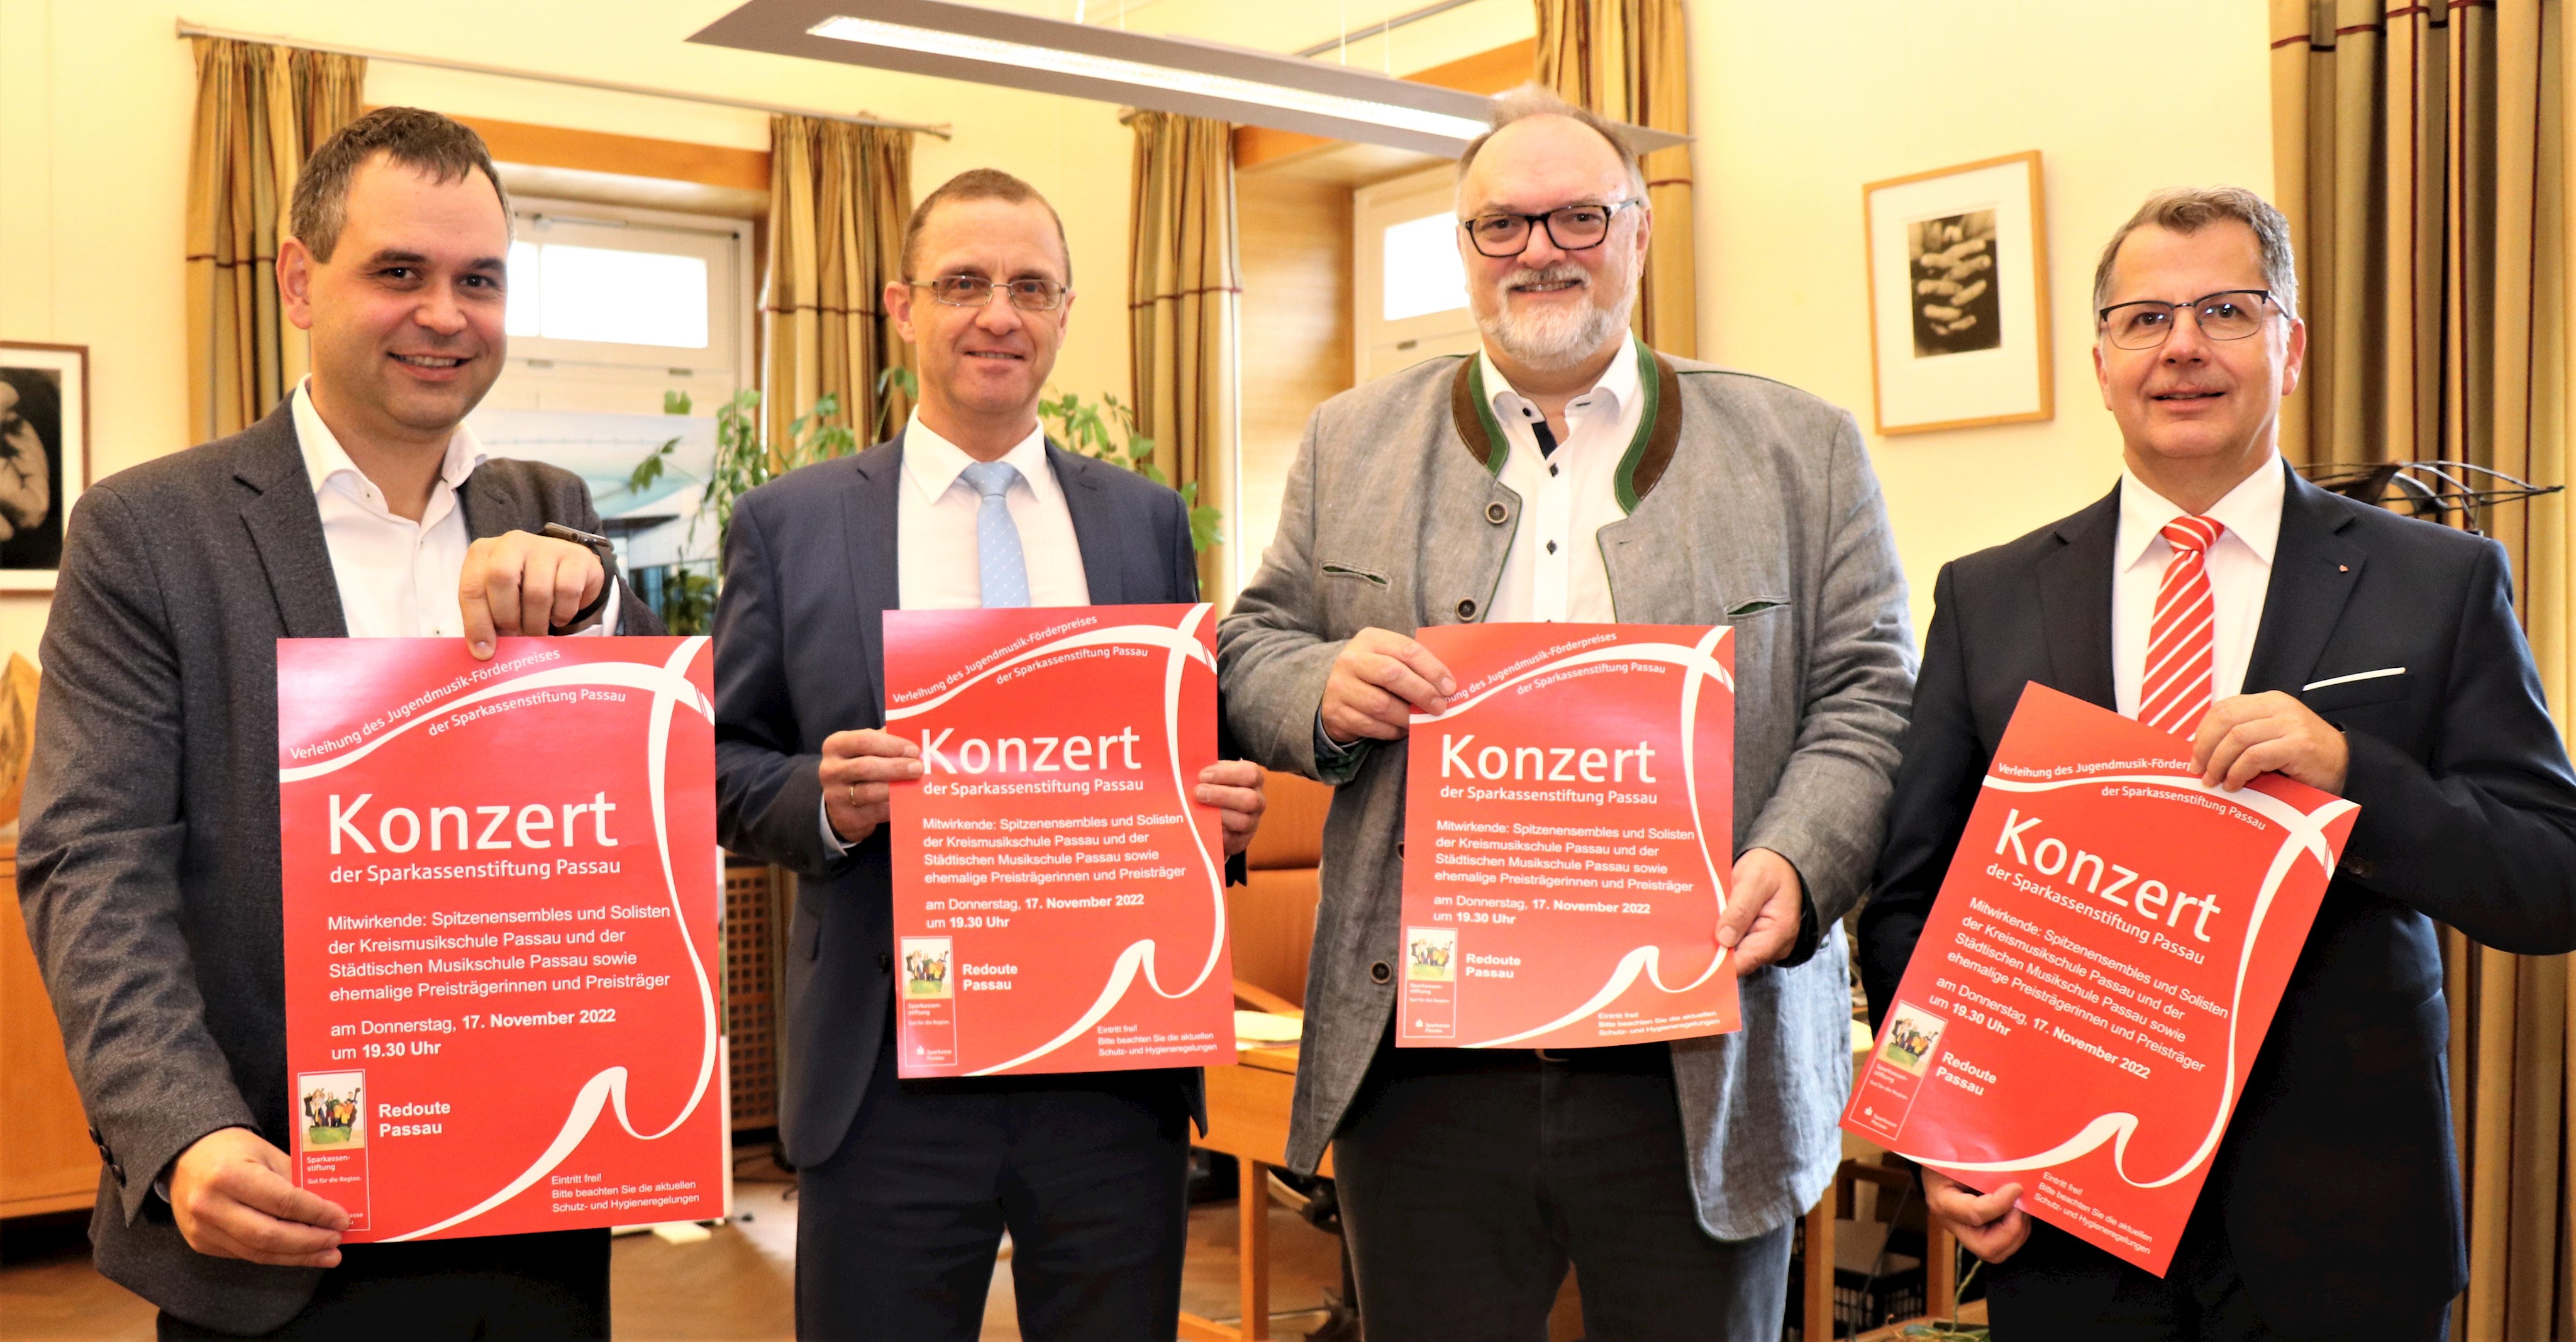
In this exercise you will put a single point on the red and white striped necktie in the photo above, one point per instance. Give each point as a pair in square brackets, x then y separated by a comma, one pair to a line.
[2182, 646]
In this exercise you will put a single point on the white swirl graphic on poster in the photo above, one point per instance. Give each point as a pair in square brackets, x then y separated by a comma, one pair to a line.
[669, 685]
[1699, 665]
[1180, 646]
[2303, 836]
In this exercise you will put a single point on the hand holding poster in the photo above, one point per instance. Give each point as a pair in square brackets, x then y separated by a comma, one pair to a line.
[501, 898]
[1059, 898]
[2097, 974]
[1569, 830]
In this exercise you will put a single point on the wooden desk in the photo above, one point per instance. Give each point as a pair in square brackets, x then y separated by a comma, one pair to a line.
[1248, 1108]
[46, 1161]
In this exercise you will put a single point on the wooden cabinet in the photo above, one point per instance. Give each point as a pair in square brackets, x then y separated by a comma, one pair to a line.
[46, 1161]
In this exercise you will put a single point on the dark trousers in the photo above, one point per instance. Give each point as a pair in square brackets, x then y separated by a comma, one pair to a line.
[496, 1288]
[896, 1233]
[1470, 1178]
[2058, 1287]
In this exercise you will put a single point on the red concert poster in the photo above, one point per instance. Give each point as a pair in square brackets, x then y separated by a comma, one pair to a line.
[501, 898]
[1059, 899]
[2097, 974]
[1569, 830]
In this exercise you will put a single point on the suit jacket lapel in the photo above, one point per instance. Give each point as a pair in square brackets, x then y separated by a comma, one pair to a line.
[2075, 603]
[494, 503]
[2314, 570]
[869, 509]
[1094, 529]
[286, 528]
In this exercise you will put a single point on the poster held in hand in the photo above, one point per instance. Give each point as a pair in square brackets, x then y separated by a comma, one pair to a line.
[1569, 830]
[1059, 897]
[501, 898]
[2097, 974]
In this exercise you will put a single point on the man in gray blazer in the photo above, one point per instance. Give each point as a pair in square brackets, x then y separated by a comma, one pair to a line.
[1570, 473]
[148, 859]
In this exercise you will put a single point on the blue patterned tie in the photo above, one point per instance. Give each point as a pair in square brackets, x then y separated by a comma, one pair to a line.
[1005, 572]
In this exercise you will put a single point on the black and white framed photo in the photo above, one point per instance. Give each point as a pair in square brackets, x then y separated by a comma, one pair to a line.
[44, 457]
[1958, 283]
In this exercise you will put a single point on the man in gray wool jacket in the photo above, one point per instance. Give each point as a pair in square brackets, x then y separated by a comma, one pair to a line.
[1568, 472]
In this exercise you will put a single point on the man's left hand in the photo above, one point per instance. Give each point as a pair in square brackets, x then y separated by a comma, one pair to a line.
[1760, 923]
[2271, 732]
[1234, 788]
[521, 583]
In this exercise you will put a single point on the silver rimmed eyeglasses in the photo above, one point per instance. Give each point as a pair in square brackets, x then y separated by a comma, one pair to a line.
[2229, 314]
[974, 291]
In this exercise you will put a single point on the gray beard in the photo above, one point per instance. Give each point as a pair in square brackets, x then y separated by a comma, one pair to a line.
[1555, 342]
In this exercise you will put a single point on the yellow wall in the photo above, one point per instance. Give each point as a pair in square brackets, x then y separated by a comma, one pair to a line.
[96, 100]
[1797, 105]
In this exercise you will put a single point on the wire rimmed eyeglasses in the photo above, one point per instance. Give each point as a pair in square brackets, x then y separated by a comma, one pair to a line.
[2229, 314]
[1573, 228]
[975, 291]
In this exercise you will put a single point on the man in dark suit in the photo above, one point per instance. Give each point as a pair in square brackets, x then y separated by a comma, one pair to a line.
[148, 858]
[2282, 629]
[905, 1187]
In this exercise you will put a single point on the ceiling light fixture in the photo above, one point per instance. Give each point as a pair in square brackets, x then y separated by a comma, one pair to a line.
[1167, 74]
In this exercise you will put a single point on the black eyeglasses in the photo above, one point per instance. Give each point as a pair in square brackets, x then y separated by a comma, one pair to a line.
[1573, 228]
[974, 291]
[2229, 314]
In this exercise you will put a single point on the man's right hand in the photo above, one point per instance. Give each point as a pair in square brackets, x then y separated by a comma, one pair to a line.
[1989, 1224]
[234, 1199]
[855, 770]
[1381, 679]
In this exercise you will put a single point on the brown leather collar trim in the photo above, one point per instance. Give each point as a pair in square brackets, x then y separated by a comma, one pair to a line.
[1667, 434]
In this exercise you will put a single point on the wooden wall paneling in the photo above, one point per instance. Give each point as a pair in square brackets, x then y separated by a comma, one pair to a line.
[46, 1161]
[626, 155]
[1294, 239]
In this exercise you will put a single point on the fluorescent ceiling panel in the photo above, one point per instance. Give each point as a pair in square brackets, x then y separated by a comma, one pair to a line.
[1168, 74]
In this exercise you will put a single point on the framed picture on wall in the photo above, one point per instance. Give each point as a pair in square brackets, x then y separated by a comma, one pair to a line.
[1958, 297]
[44, 457]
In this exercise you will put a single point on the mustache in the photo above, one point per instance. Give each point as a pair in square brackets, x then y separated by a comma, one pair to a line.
[1555, 274]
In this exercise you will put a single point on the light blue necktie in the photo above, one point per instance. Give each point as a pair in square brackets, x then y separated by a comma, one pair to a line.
[1005, 572]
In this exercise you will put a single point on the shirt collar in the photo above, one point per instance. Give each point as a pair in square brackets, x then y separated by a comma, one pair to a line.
[933, 463]
[325, 458]
[2251, 512]
[1618, 386]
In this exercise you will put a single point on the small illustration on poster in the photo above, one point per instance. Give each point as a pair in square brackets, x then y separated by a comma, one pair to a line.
[334, 1108]
[1912, 1034]
[1429, 953]
[925, 967]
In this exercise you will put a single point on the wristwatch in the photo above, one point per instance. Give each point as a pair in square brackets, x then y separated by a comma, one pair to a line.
[607, 552]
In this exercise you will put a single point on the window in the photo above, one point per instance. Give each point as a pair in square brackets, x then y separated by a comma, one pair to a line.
[1410, 288]
[611, 306]
[1423, 273]
[564, 291]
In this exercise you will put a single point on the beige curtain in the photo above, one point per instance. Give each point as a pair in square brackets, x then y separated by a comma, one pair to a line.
[1629, 60]
[839, 196]
[1183, 278]
[261, 110]
[2420, 154]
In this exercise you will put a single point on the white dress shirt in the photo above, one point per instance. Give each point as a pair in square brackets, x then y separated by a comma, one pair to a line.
[1554, 570]
[935, 556]
[936, 566]
[397, 577]
[2239, 568]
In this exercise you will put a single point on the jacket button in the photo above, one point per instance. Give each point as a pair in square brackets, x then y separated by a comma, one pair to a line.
[1497, 514]
[1399, 848]
[118, 1171]
[1467, 609]
[885, 962]
[1379, 973]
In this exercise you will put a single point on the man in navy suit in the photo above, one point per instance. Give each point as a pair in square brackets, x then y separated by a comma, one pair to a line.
[905, 1187]
[2282, 629]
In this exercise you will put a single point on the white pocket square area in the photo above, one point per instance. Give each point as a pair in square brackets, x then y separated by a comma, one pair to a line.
[2357, 675]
